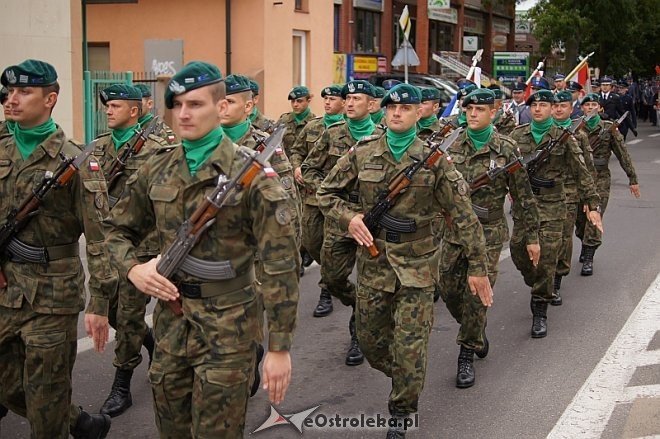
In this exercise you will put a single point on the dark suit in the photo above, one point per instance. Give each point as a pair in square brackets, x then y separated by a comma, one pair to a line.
[577, 111]
[631, 121]
[612, 105]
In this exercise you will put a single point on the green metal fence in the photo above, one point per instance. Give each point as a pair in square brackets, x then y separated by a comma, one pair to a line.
[96, 121]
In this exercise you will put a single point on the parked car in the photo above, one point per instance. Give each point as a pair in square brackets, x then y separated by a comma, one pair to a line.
[447, 88]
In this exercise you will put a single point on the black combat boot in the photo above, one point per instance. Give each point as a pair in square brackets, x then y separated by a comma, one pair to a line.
[556, 297]
[324, 306]
[588, 264]
[398, 431]
[582, 254]
[3, 411]
[436, 294]
[465, 372]
[307, 259]
[539, 319]
[354, 356]
[91, 426]
[119, 399]
[483, 352]
[557, 283]
[257, 375]
[149, 343]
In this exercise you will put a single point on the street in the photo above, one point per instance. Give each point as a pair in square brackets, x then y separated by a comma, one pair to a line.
[596, 374]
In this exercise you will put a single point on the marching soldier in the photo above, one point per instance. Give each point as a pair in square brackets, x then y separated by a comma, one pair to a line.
[338, 250]
[548, 186]
[430, 106]
[560, 82]
[605, 140]
[517, 104]
[378, 115]
[204, 361]
[295, 120]
[609, 100]
[537, 83]
[595, 86]
[128, 305]
[503, 121]
[394, 312]
[576, 89]
[479, 150]
[164, 131]
[44, 291]
[257, 119]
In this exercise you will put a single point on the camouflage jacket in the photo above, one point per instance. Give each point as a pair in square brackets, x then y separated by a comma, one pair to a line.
[489, 199]
[555, 170]
[262, 123]
[106, 154]
[369, 167]
[604, 143]
[293, 129]
[305, 141]
[162, 195]
[570, 187]
[505, 124]
[425, 133]
[166, 133]
[65, 214]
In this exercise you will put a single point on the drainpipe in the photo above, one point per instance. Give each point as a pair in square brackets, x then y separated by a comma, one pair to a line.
[228, 35]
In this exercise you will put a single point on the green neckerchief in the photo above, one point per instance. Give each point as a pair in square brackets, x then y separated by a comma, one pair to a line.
[426, 122]
[144, 119]
[329, 119]
[254, 114]
[27, 139]
[237, 131]
[197, 151]
[377, 116]
[10, 124]
[593, 122]
[360, 128]
[480, 137]
[563, 123]
[462, 119]
[540, 129]
[301, 116]
[400, 142]
[122, 135]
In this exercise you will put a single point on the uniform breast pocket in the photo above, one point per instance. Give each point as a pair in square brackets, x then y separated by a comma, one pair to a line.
[229, 220]
[162, 198]
[421, 189]
[372, 183]
[5, 170]
[96, 199]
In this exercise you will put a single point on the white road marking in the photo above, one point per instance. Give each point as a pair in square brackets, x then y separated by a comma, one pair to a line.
[654, 135]
[85, 344]
[588, 414]
[506, 254]
[634, 141]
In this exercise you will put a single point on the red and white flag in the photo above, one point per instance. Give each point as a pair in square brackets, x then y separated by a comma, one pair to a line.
[582, 77]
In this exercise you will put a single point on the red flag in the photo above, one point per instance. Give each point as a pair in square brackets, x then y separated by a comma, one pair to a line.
[582, 77]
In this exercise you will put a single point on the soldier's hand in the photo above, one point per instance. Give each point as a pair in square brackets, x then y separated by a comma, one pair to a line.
[480, 286]
[97, 329]
[297, 174]
[534, 252]
[277, 375]
[634, 189]
[596, 220]
[146, 279]
[359, 231]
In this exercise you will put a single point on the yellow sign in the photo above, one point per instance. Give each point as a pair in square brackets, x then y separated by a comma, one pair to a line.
[339, 62]
[365, 64]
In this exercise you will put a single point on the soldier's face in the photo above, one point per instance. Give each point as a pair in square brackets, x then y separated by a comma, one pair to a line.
[147, 105]
[479, 116]
[517, 96]
[333, 104]
[541, 111]
[590, 107]
[238, 109]
[29, 106]
[196, 114]
[6, 109]
[121, 114]
[595, 89]
[560, 84]
[606, 88]
[429, 108]
[562, 110]
[402, 117]
[358, 105]
[299, 105]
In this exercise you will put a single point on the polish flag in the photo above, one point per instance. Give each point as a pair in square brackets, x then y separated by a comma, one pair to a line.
[582, 77]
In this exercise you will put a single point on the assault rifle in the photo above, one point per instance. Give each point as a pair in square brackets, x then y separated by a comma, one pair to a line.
[490, 175]
[205, 215]
[19, 218]
[534, 161]
[400, 183]
[619, 121]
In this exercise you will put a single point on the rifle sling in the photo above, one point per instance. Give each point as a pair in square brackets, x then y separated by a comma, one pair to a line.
[232, 289]
[398, 237]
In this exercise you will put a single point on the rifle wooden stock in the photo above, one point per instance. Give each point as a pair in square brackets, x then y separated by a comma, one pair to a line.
[485, 178]
[139, 139]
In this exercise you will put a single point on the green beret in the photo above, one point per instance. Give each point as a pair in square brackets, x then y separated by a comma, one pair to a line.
[237, 84]
[480, 96]
[498, 93]
[541, 96]
[144, 89]
[402, 94]
[380, 92]
[358, 86]
[591, 97]
[299, 91]
[193, 75]
[430, 94]
[4, 94]
[563, 96]
[29, 73]
[469, 88]
[254, 86]
[331, 90]
[120, 92]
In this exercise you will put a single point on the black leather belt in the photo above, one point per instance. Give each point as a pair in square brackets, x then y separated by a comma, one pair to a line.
[487, 216]
[211, 289]
[400, 237]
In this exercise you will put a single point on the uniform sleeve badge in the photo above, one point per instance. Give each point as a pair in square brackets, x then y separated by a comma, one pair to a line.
[94, 166]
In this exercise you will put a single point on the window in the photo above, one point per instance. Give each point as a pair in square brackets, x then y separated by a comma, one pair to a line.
[301, 6]
[367, 31]
[337, 27]
[98, 56]
[299, 58]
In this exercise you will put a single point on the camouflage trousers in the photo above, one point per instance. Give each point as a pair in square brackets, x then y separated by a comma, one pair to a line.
[584, 230]
[37, 353]
[393, 330]
[464, 306]
[312, 230]
[566, 249]
[541, 277]
[203, 366]
[126, 315]
[337, 262]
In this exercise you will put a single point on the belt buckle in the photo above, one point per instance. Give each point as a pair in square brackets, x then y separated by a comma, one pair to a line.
[191, 291]
[391, 236]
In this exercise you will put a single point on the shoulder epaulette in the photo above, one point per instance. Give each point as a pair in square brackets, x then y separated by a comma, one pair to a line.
[370, 138]
[107, 133]
[336, 124]
[159, 140]
[163, 148]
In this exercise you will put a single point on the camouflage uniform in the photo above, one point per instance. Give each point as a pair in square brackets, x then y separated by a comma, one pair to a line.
[505, 124]
[604, 143]
[40, 306]
[465, 307]
[163, 131]
[551, 203]
[293, 129]
[262, 123]
[204, 360]
[438, 223]
[395, 290]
